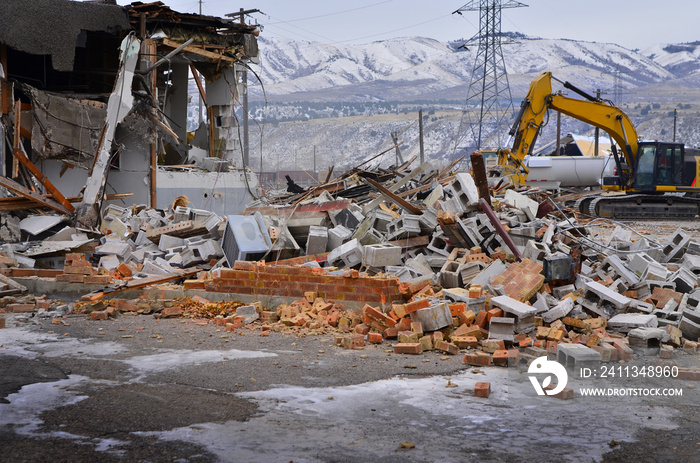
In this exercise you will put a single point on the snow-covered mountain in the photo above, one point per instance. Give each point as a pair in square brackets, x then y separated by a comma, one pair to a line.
[682, 59]
[342, 102]
[416, 67]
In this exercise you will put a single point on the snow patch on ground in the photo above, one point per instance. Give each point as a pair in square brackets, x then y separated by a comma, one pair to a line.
[167, 359]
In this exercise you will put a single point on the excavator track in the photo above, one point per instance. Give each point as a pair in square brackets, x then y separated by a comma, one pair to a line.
[583, 203]
[640, 206]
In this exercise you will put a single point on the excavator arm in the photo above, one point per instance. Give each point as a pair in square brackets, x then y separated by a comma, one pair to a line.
[592, 111]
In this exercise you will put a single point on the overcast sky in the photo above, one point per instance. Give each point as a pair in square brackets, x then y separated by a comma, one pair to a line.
[630, 23]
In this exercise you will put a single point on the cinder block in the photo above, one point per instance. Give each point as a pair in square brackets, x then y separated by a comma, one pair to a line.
[560, 310]
[317, 240]
[524, 314]
[628, 321]
[381, 255]
[502, 328]
[347, 255]
[337, 236]
[576, 356]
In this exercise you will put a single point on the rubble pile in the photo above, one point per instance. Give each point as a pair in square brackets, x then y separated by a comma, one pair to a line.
[424, 263]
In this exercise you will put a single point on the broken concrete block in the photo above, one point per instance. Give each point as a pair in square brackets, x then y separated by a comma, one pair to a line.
[109, 262]
[347, 255]
[438, 244]
[381, 255]
[337, 236]
[684, 279]
[617, 300]
[249, 312]
[560, 310]
[615, 263]
[405, 226]
[522, 202]
[115, 247]
[317, 240]
[577, 356]
[434, 317]
[464, 189]
[524, 314]
[646, 338]
[494, 269]
[674, 247]
[627, 321]
[502, 328]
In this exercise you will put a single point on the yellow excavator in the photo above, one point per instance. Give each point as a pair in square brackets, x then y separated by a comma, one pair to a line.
[651, 179]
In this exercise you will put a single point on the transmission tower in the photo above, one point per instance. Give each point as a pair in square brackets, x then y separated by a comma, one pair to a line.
[617, 88]
[489, 104]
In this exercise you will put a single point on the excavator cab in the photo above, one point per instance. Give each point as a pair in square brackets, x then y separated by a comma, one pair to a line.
[663, 165]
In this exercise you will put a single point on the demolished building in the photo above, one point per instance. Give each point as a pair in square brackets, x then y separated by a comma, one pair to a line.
[61, 87]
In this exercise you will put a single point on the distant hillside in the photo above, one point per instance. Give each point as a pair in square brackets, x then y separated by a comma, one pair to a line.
[415, 67]
[346, 100]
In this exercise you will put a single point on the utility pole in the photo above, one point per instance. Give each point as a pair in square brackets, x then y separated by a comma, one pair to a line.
[558, 134]
[395, 137]
[420, 135]
[675, 118]
[244, 89]
[315, 163]
[201, 117]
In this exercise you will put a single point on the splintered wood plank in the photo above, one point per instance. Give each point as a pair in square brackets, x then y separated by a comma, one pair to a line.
[36, 197]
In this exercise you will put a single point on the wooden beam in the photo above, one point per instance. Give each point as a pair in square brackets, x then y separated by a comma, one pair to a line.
[199, 51]
[395, 198]
[200, 87]
[142, 283]
[15, 146]
[31, 167]
[36, 197]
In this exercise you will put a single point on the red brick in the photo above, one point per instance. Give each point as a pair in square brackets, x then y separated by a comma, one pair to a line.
[482, 390]
[624, 352]
[194, 285]
[495, 312]
[492, 345]
[458, 308]
[99, 315]
[527, 342]
[391, 333]
[17, 308]
[416, 305]
[375, 338]
[666, 352]
[447, 347]
[46, 305]
[96, 279]
[566, 394]
[500, 358]
[465, 342]
[353, 341]
[404, 324]
[477, 358]
[417, 327]
[408, 348]
[170, 312]
[245, 265]
[362, 329]
[481, 319]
